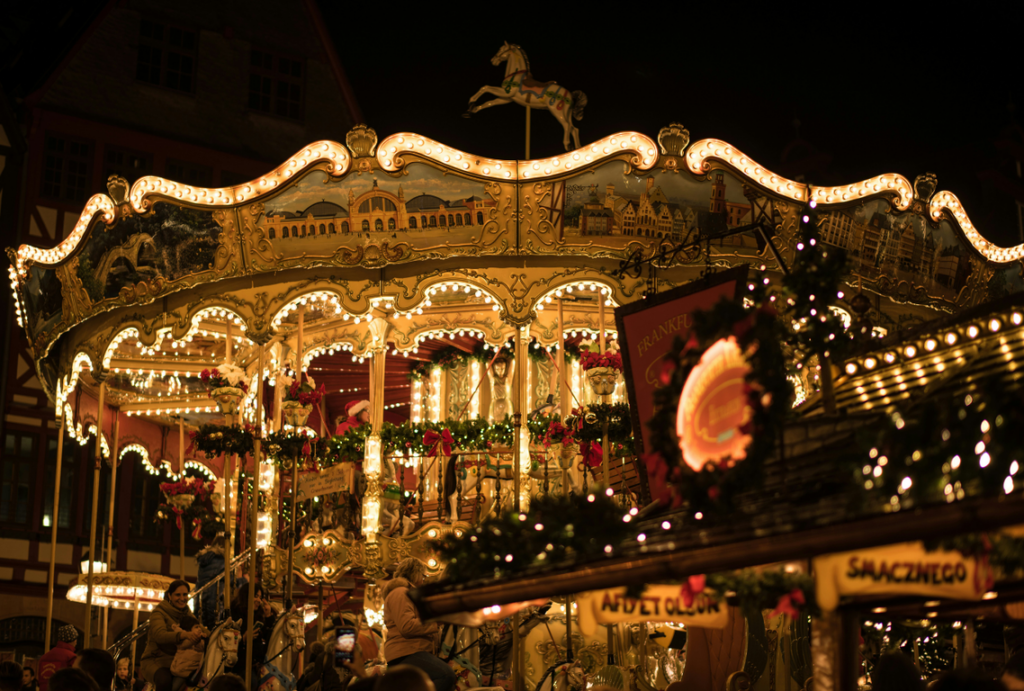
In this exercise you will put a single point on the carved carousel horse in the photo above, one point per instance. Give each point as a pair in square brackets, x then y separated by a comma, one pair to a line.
[221, 651]
[520, 87]
[289, 635]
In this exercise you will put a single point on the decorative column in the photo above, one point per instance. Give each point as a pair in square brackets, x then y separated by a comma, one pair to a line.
[372, 465]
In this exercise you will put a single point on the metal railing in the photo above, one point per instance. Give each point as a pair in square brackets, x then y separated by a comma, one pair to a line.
[129, 638]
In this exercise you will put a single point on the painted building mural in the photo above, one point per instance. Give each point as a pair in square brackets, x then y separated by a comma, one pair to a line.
[427, 207]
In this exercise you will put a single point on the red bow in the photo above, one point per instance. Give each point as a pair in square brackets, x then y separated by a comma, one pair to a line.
[592, 455]
[693, 587]
[787, 604]
[306, 449]
[196, 528]
[177, 517]
[438, 443]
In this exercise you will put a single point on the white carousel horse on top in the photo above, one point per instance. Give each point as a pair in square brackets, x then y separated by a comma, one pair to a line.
[288, 637]
[221, 651]
[520, 87]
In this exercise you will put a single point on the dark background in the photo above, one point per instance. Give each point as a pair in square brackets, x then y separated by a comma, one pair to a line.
[833, 96]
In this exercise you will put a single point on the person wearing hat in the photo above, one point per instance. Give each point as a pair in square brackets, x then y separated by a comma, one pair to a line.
[358, 414]
[60, 656]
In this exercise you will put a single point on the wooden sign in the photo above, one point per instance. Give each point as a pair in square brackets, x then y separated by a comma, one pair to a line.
[647, 329]
[333, 479]
[714, 407]
[658, 603]
[904, 569]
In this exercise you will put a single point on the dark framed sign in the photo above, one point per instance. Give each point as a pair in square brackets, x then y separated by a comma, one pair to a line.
[647, 329]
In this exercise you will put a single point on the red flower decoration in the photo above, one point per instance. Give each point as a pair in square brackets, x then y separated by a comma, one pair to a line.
[693, 587]
[787, 604]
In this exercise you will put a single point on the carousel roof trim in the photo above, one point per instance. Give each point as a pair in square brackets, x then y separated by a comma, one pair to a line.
[700, 159]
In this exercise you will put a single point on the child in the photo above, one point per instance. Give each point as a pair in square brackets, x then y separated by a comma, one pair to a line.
[190, 655]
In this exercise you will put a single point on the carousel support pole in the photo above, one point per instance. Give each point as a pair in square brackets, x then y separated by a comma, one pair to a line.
[253, 505]
[181, 474]
[320, 611]
[288, 575]
[229, 532]
[563, 383]
[95, 514]
[605, 461]
[54, 520]
[110, 523]
[135, 620]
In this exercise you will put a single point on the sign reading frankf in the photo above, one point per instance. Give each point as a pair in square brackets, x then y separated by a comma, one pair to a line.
[647, 329]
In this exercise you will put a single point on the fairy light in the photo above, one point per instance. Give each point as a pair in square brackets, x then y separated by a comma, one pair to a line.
[394, 152]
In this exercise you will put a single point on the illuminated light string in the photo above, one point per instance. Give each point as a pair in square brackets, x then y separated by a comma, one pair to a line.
[568, 288]
[177, 411]
[935, 342]
[329, 299]
[947, 201]
[336, 156]
[392, 151]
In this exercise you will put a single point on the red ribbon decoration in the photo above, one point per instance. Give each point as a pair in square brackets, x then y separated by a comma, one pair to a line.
[438, 443]
[693, 587]
[592, 454]
[787, 604]
[306, 448]
[177, 517]
[197, 526]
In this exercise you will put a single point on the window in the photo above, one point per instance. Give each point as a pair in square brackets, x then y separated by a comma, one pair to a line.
[451, 220]
[189, 173]
[330, 228]
[131, 165]
[412, 222]
[366, 226]
[423, 219]
[479, 218]
[68, 471]
[344, 226]
[167, 56]
[66, 169]
[466, 218]
[273, 235]
[16, 472]
[378, 225]
[323, 229]
[391, 224]
[295, 231]
[303, 231]
[275, 84]
[442, 219]
[433, 221]
[284, 232]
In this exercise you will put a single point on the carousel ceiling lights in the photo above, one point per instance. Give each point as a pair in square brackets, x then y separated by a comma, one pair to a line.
[121, 590]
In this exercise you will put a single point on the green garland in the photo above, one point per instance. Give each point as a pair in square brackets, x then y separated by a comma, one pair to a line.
[944, 450]
[589, 422]
[215, 440]
[760, 590]
[713, 490]
[557, 530]
[1005, 553]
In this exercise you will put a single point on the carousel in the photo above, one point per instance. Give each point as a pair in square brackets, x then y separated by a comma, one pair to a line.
[382, 345]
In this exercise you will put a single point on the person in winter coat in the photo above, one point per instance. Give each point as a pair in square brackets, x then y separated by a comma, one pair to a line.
[211, 565]
[163, 640]
[60, 656]
[410, 641]
[358, 414]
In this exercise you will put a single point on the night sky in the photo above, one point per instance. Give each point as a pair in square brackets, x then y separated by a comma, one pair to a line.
[873, 92]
